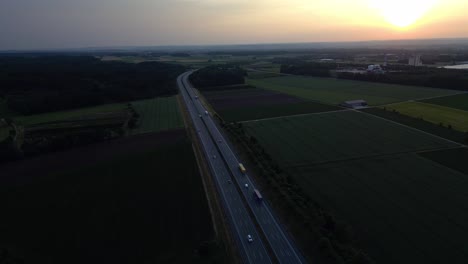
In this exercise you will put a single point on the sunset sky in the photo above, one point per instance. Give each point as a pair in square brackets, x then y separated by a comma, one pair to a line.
[30, 24]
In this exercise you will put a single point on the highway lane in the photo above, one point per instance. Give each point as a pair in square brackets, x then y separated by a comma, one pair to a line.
[282, 245]
[240, 220]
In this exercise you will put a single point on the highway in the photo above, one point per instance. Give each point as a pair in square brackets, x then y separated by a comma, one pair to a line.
[235, 210]
[224, 163]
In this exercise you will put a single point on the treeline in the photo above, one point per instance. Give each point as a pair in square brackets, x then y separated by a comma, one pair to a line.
[418, 76]
[37, 84]
[218, 75]
[309, 68]
[396, 74]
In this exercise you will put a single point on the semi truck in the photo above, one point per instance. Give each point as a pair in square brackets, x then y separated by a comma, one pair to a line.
[258, 195]
[242, 168]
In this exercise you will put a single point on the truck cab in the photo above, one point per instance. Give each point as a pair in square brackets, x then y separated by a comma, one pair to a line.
[242, 168]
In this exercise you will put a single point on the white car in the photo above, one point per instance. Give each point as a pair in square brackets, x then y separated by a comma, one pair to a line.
[249, 238]
[246, 185]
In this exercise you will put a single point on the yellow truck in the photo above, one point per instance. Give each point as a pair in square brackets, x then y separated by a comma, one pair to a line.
[242, 168]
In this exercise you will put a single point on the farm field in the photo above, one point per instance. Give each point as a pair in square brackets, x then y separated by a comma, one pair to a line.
[420, 124]
[246, 114]
[402, 208]
[135, 200]
[157, 114]
[452, 158]
[367, 171]
[82, 113]
[455, 101]
[237, 98]
[251, 104]
[326, 137]
[261, 74]
[335, 91]
[436, 114]
[203, 60]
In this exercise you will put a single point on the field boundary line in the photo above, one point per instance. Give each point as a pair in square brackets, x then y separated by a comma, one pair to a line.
[365, 157]
[413, 128]
[279, 117]
[417, 100]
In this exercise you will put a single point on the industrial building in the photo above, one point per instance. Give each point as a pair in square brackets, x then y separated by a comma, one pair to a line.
[415, 61]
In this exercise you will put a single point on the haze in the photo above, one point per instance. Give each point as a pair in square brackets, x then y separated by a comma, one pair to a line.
[49, 24]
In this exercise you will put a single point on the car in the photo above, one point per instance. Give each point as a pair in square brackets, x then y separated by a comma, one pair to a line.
[249, 238]
[229, 181]
[219, 140]
[200, 116]
[196, 96]
[214, 156]
[246, 185]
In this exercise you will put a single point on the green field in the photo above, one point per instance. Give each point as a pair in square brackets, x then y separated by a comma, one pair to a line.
[316, 138]
[87, 112]
[452, 158]
[335, 91]
[139, 200]
[402, 209]
[420, 124]
[157, 114]
[271, 111]
[455, 101]
[436, 114]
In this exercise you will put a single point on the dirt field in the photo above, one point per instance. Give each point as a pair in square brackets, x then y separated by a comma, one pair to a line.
[248, 97]
[123, 201]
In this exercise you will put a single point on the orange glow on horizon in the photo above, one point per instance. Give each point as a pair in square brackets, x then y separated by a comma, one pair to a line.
[403, 13]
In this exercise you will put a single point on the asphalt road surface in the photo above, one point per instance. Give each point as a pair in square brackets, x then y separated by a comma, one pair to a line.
[225, 167]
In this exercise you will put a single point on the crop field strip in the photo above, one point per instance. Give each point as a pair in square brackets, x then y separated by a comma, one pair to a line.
[418, 124]
[395, 200]
[455, 101]
[82, 113]
[335, 91]
[337, 135]
[406, 204]
[157, 114]
[275, 111]
[254, 104]
[437, 114]
[451, 158]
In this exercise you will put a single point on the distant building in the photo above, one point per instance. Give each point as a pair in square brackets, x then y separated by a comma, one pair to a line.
[375, 69]
[355, 104]
[415, 61]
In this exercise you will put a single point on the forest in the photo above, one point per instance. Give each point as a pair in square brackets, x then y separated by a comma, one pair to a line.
[38, 84]
[218, 75]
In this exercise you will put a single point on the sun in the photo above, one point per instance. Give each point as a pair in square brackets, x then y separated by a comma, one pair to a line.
[403, 13]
